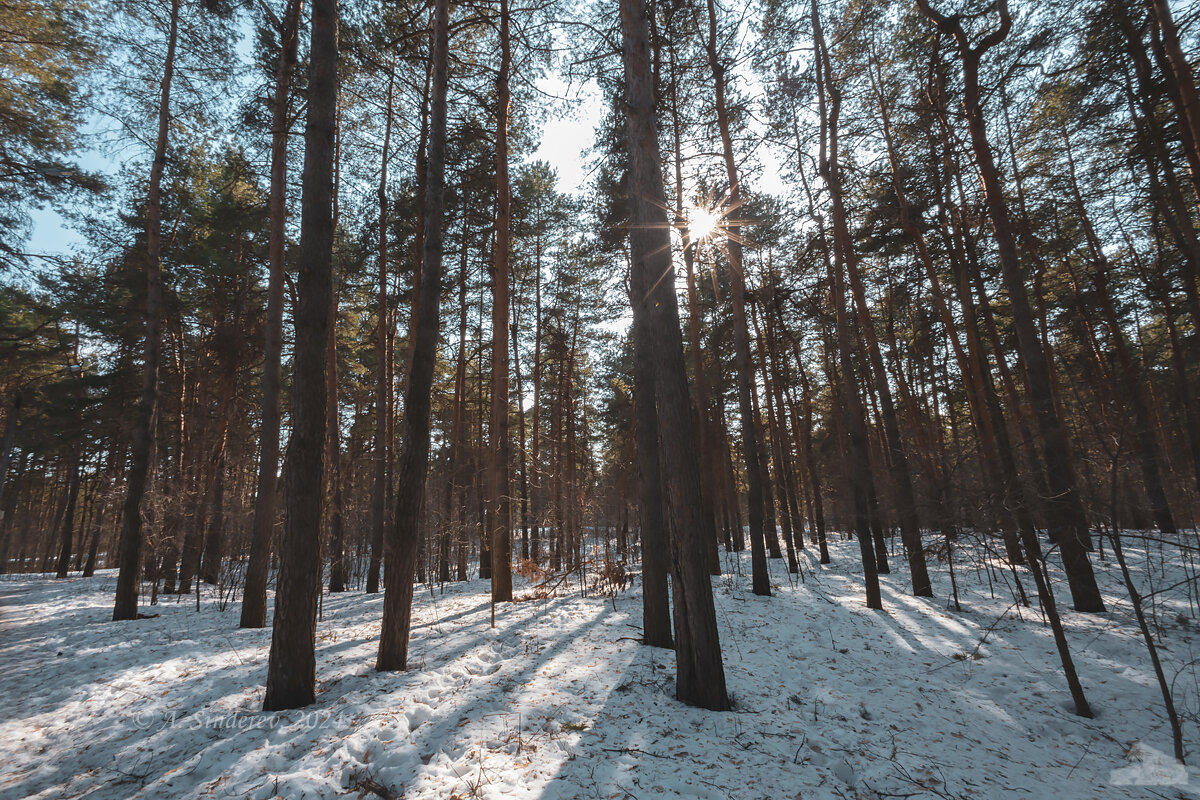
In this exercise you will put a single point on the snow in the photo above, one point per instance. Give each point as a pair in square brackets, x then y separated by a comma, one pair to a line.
[561, 701]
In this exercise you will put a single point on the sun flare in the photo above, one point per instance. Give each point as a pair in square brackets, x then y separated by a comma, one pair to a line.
[703, 223]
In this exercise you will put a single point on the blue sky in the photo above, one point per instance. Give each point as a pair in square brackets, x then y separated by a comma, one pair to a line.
[565, 141]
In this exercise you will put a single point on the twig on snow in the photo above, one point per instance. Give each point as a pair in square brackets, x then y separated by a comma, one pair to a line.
[364, 785]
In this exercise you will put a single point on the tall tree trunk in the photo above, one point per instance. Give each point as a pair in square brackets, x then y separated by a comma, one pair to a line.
[129, 554]
[778, 443]
[422, 169]
[704, 443]
[700, 676]
[1066, 516]
[254, 598]
[85, 521]
[857, 446]
[291, 668]
[6, 444]
[403, 538]
[383, 377]
[456, 516]
[521, 451]
[535, 451]
[556, 472]
[906, 502]
[97, 521]
[214, 536]
[173, 513]
[572, 516]
[333, 507]
[656, 606]
[68, 524]
[770, 530]
[810, 460]
[337, 526]
[500, 446]
[751, 443]
[779, 410]
[1181, 83]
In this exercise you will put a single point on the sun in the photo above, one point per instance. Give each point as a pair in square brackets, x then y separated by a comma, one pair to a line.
[703, 223]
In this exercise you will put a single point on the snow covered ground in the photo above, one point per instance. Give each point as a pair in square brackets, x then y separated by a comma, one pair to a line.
[560, 700]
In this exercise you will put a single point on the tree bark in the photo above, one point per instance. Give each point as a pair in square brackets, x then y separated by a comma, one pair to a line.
[1066, 517]
[291, 668]
[1181, 83]
[700, 676]
[254, 598]
[751, 443]
[68, 524]
[704, 442]
[857, 447]
[383, 377]
[403, 538]
[500, 446]
[656, 605]
[129, 555]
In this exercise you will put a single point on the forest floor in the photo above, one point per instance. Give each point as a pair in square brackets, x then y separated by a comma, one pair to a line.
[560, 700]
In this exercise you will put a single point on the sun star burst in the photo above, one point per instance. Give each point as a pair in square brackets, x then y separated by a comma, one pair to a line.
[703, 223]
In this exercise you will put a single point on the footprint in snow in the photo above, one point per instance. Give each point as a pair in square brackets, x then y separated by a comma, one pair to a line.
[418, 714]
